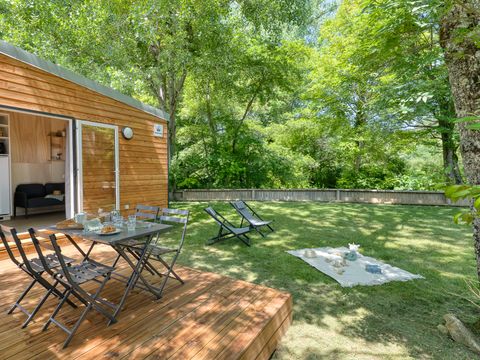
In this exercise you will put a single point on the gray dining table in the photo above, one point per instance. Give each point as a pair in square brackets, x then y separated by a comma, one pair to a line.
[120, 243]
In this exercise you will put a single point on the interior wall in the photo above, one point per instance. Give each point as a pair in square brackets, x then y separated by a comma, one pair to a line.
[31, 149]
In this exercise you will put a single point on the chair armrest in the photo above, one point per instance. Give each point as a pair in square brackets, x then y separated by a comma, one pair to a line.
[20, 199]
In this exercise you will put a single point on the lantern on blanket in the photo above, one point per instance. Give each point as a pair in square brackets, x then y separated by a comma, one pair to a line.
[352, 254]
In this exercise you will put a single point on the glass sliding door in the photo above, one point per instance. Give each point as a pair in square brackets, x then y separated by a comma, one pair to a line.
[98, 175]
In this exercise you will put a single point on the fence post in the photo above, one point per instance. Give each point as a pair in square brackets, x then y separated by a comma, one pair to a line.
[253, 194]
[337, 196]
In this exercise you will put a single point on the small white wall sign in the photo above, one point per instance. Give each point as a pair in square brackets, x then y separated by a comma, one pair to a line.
[158, 130]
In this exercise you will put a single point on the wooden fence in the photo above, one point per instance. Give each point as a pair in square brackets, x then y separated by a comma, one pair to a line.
[322, 195]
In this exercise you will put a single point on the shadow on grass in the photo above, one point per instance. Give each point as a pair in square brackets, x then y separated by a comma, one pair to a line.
[419, 239]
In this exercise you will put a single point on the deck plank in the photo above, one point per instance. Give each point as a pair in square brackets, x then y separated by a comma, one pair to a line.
[210, 316]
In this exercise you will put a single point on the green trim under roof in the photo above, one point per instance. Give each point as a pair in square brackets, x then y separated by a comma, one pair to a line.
[33, 60]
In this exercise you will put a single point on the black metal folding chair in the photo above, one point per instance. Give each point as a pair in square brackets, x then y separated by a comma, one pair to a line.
[73, 277]
[147, 212]
[143, 213]
[250, 216]
[34, 268]
[227, 230]
[158, 252]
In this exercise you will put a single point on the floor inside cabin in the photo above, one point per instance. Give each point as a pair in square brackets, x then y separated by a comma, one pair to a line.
[38, 221]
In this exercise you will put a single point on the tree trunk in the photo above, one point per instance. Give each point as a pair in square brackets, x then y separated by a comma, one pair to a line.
[172, 134]
[462, 56]
[242, 120]
[359, 126]
[449, 148]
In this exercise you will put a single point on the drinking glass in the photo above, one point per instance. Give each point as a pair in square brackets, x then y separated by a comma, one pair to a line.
[118, 221]
[132, 222]
[80, 218]
[114, 215]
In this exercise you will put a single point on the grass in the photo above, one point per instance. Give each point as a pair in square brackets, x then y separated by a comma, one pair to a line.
[392, 321]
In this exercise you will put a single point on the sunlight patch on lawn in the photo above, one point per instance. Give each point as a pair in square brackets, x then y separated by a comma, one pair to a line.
[306, 341]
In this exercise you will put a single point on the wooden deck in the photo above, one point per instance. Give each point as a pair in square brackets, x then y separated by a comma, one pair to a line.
[209, 317]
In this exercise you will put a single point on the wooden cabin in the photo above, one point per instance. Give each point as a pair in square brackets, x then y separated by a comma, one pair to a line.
[109, 150]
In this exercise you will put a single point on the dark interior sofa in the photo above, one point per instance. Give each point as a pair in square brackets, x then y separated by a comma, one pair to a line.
[33, 196]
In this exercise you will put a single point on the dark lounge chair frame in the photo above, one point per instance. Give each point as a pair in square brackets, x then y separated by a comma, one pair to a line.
[227, 230]
[251, 216]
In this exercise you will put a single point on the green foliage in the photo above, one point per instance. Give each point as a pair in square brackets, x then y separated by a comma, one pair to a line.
[462, 192]
[282, 93]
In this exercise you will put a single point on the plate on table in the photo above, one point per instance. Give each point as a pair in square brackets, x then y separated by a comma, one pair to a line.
[100, 233]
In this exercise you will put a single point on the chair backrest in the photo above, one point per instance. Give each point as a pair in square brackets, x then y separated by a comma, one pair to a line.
[246, 211]
[147, 212]
[243, 209]
[5, 234]
[61, 260]
[38, 248]
[176, 216]
[239, 204]
[221, 220]
[25, 261]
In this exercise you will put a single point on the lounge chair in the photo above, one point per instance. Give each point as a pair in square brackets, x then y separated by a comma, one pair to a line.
[227, 230]
[250, 216]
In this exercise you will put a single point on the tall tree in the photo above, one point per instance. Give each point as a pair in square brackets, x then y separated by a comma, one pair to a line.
[176, 37]
[395, 44]
[460, 39]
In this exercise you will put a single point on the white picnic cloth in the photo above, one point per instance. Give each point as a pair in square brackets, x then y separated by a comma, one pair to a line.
[355, 273]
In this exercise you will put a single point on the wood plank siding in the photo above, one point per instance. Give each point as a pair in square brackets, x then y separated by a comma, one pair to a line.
[143, 160]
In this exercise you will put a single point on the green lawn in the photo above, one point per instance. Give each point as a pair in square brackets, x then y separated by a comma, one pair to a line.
[392, 321]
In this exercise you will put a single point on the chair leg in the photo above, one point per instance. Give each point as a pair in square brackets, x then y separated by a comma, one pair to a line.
[258, 230]
[245, 239]
[167, 274]
[85, 312]
[116, 261]
[220, 236]
[170, 268]
[39, 305]
[77, 325]
[26, 213]
[146, 265]
[22, 295]
[89, 250]
[57, 309]
[55, 291]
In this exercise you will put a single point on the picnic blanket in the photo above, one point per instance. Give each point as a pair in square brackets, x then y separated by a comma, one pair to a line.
[354, 272]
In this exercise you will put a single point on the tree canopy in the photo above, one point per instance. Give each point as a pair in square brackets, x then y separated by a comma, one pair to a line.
[279, 93]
